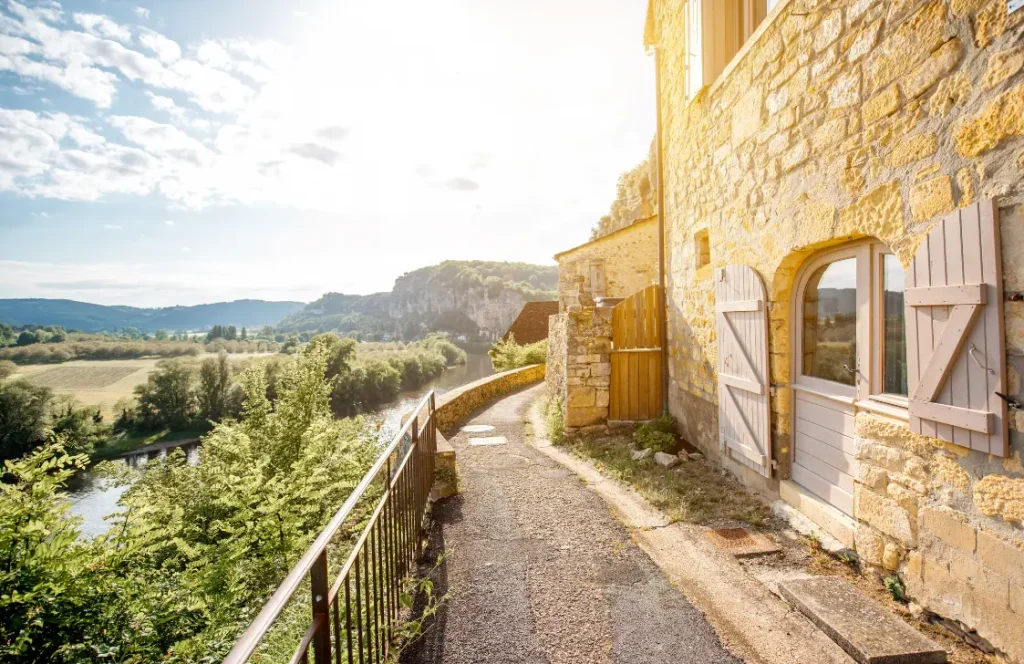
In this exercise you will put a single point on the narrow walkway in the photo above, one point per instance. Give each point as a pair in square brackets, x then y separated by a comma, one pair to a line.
[538, 570]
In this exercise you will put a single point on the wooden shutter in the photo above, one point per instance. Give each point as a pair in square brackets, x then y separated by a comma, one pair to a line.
[956, 349]
[744, 424]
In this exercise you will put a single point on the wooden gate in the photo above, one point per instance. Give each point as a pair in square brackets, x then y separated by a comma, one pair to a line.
[635, 391]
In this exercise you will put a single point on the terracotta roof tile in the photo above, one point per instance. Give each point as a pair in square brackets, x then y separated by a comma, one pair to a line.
[531, 325]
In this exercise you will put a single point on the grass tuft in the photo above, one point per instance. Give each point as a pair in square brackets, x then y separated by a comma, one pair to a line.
[695, 491]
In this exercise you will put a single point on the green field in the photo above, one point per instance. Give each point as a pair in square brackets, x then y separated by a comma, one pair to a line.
[99, 382]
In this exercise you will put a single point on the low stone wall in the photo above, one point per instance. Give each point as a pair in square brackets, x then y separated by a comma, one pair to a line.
[456, 405]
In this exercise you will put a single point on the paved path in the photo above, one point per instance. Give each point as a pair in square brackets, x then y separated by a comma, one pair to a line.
[539, 570]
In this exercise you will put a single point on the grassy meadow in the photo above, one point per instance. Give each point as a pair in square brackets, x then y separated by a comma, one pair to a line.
[101, 382]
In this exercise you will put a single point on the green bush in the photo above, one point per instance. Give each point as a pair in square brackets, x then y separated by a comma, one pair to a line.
[197, 549]
[507, 354]
[657, 434]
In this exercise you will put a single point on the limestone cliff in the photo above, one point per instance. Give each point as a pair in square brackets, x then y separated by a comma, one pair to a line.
[475, 300]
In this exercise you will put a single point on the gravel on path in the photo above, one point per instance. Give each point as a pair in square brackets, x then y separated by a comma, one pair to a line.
[538, 570]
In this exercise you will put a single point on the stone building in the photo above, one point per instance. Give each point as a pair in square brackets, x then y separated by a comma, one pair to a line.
[614, 265]
[864, 160]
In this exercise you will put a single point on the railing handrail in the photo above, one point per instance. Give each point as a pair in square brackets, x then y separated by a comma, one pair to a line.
[247, 643]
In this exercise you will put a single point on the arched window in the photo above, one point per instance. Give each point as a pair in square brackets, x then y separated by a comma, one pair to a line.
[852, 327]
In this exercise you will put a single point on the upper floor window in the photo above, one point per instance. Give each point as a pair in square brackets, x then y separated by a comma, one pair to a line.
[715, 32]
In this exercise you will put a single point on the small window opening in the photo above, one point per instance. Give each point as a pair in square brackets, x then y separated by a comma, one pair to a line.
[702, 245]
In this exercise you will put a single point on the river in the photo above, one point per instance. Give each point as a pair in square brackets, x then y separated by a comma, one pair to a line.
[93, 498]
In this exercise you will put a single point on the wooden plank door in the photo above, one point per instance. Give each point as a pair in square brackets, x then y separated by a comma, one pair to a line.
[744, 424]
[635, 388]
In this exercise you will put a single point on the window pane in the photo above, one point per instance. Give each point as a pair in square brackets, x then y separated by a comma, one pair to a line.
[830, 322]
[894, 330]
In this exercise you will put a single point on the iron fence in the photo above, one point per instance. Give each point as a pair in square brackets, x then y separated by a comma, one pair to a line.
[353, 620]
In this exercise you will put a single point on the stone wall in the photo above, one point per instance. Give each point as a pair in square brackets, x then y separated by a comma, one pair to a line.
[845, 119]
[579, 347]
[629, 258]
[453, 407]
[554, 376]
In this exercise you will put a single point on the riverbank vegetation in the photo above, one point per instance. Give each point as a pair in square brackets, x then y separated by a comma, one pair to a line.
[29, 414]
[196, 549]
[185, 395]
[507, 354]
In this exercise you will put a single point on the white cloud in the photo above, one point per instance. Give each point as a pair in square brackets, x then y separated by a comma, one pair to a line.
[112, 227]
[102, 26]
[349, 117]
[142, 13]
[89, 83]
[168, 222]
[166, 50]
[75, 53]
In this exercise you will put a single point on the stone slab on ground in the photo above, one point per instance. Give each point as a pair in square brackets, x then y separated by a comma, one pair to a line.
[741, 542]
[869, 633]
[488, 440]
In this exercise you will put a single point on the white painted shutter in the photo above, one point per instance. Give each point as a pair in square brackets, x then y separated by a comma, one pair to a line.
[956, 350]
[744, 424]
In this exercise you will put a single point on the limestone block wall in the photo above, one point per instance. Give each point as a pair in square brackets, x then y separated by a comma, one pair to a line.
[453, 407]
[580, 367]
[554, 376]
[844, 119]
[629, 257]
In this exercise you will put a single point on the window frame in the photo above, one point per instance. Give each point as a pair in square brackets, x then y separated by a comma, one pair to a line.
[867, 388]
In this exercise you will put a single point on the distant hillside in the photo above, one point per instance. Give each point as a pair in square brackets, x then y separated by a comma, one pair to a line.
[474, 299]
[96, 317]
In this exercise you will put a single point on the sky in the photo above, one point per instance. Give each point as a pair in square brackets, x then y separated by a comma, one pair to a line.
[190, 151]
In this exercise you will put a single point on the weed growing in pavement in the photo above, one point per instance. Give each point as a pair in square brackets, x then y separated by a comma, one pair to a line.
[412, 629]
[554, 421]
[894, 586]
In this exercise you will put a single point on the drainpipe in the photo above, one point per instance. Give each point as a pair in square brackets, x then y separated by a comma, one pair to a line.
[661, 234]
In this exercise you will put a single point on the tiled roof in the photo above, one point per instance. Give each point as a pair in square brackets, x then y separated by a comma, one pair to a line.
[531, 325]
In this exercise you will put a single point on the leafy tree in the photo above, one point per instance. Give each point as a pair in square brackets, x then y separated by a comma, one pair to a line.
[58, 336]
[160, 335]
[7, 335]
[46, 595]
[80, 428]
[23, 417]
[214, 388]
[27, 338]
[167, 398]
[245, 334]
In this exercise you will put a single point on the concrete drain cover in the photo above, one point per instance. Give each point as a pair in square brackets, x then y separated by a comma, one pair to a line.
[477, 428]
[488, 440]
[741, 543]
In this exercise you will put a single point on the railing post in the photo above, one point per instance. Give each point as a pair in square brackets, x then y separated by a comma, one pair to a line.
[320, 590]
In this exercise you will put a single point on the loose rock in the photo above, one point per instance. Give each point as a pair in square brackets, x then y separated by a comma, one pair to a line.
[666, 460]
[696, 456]
[640, 455]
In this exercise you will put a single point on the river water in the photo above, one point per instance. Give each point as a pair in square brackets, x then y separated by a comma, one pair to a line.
[93, 498]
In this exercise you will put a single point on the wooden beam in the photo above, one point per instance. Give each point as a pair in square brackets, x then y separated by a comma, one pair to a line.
[741, 383]
[741, 305]
[965, 418]
[938, 296]
[954, 333]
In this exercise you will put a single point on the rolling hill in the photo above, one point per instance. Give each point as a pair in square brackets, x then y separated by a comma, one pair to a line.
[97, 317]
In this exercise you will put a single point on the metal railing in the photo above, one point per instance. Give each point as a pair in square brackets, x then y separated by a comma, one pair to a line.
[353, 619]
